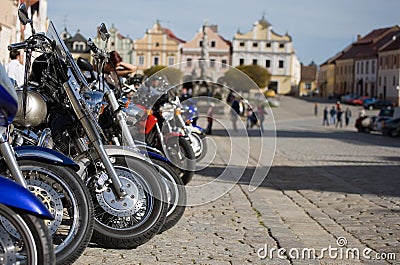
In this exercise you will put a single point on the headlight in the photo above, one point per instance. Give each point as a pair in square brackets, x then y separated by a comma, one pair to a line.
[167, 111]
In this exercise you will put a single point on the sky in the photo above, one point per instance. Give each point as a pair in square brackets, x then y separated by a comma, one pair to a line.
[319, 28]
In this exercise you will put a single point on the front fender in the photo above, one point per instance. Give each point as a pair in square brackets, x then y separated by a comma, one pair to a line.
[114, 150]
[45, 155]
[15, 196]
[198, 130]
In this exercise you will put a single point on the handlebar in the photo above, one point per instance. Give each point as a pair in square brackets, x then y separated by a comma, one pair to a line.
[92, 46]
[17, 46]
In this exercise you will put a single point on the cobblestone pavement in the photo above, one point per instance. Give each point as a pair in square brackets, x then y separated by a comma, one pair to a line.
[328, 188]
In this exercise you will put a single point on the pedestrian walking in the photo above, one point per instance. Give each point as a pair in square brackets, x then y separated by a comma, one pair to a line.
[235, 112]
[15, 69]
[250, 117]
[325, 120]
[315, 109]
[210, 114]
[333, 115]
[347, 116]
[261, 116]
[339, 114]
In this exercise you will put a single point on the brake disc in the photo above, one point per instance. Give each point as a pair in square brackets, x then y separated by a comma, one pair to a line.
[132, 204]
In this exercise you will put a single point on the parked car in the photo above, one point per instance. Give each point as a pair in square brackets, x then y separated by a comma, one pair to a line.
[378, 104]
[391, 127]
[347, 99]
[359, 101]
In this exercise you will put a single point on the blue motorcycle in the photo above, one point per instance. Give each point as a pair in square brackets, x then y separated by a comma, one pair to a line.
[24, 237]
[49, 175]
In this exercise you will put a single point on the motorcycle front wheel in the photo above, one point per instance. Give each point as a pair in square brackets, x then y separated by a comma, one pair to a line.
[68, 200]
[136, 218]
[180, 153]
[176, 193]
[24, 239]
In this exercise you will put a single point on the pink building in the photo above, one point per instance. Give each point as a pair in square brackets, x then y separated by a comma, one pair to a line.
[218, 55]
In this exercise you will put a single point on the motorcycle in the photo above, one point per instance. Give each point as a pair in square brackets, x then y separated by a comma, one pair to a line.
[157, 131]
[192, 132]
[52, 177]
[128, 197]
[114, 117]
[25, 238]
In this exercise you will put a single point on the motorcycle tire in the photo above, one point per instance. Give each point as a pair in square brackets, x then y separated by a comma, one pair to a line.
[134, 220]
[176, 194]
[68, 200]
[203, 150]
[24, 239]
[184, 168]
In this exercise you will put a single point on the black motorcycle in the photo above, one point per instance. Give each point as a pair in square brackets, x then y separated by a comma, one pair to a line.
[128, 196]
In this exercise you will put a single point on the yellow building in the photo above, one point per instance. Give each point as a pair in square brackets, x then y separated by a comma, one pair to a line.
[159, 46]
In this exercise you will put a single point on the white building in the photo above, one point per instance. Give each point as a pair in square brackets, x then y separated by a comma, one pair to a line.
[264, 47]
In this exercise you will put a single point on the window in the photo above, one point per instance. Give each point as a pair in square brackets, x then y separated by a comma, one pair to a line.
[281, 45]
[189, 62]
[280, 63]
[394, 80]
[241, 44]
[267, 63]
[255, 44]
[358, 67]
[379, 81]
[156, 60]
[254, 61]
[373, 67]
[367, 67]
[79, 46]
[362, 67]
[171, 60]
[212, 63]
[157, 44]
[224, 63]
[141, 60]
[241, 61]
[213, 43]
[268, 45]
[201, 43]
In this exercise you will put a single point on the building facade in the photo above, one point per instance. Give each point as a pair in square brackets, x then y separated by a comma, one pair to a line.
[308, 81]
[389, 71]
[11, 30]
[119, 43]
[159, 46]
[264, 47]
[8, 23]
[219, 54]
[76, 44]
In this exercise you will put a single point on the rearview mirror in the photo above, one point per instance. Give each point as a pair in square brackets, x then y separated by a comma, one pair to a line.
[23, 14]
[104, 35]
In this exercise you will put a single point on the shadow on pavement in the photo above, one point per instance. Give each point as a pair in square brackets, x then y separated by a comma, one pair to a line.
[345, 136]
[352, 179]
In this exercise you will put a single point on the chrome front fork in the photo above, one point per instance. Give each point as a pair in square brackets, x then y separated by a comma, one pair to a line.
[9, 157]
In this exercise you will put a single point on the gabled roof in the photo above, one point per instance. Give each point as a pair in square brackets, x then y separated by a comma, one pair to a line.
[369, 45]
[76, 38]
[308, 73]
[172, 35]
[393, 45]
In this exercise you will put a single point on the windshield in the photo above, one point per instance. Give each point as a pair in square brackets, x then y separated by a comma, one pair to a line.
[65, 54]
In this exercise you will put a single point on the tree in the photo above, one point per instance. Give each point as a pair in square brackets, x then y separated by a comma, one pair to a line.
[172, 74]
[260, 75]
[247, 77]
